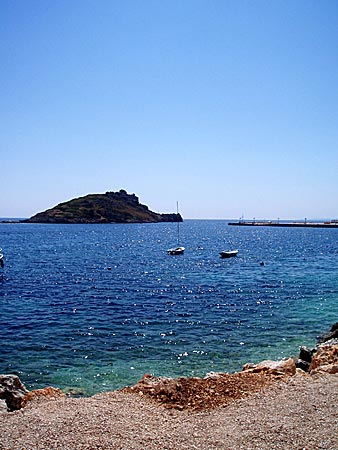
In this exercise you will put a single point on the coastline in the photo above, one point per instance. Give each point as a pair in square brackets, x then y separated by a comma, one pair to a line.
[299, 413]
[272, 405]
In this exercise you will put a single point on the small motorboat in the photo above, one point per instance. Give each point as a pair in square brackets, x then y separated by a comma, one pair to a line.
[229, 254]
[176, 251]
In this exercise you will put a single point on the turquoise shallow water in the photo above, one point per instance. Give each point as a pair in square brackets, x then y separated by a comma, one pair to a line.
[93, 307]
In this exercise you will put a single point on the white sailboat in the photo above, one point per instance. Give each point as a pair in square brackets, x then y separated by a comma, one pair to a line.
[179, 250]
[228, 254]
[1, 258]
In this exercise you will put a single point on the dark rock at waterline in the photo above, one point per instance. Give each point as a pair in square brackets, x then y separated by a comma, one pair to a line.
[332, 334]
[306, 355]
[14, 395]
[305, 358]
[12, 391]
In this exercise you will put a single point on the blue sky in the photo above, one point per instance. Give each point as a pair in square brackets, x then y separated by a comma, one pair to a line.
[229, 107]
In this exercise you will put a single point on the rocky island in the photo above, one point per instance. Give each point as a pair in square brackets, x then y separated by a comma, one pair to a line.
[111, 207]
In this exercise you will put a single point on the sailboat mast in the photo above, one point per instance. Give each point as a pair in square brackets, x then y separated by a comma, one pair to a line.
[178, 250]
[178, 227]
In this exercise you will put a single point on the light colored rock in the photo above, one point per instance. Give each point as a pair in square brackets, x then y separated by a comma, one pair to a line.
[326, 355]
[328, 368]
[3, 407]
[283, 367]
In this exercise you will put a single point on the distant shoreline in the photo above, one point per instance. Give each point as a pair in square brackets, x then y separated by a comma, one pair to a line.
[247, 223]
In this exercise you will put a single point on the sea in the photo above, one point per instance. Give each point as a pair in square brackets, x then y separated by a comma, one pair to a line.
[92, 308]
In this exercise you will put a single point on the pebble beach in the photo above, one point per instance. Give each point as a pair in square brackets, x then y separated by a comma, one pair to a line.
[300, 413]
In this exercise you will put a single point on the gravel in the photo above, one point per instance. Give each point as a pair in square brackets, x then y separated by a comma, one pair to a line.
[297, 413]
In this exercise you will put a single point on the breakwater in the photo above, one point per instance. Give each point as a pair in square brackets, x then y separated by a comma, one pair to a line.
[269, 223]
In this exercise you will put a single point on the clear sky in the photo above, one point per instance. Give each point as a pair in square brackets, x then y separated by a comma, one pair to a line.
[228, 106]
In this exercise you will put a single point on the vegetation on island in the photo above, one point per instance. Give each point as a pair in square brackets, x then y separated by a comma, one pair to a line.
[111, 207]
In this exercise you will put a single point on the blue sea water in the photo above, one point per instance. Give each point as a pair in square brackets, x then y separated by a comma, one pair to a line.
[90, 308]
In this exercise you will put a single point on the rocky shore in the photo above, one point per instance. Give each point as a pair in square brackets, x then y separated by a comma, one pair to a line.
[288, 404]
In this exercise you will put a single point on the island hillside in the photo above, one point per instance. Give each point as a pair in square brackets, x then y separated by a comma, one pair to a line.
[111, 207]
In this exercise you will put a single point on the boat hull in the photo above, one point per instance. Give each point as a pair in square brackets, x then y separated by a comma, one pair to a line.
[229, 254]
[176, 251]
